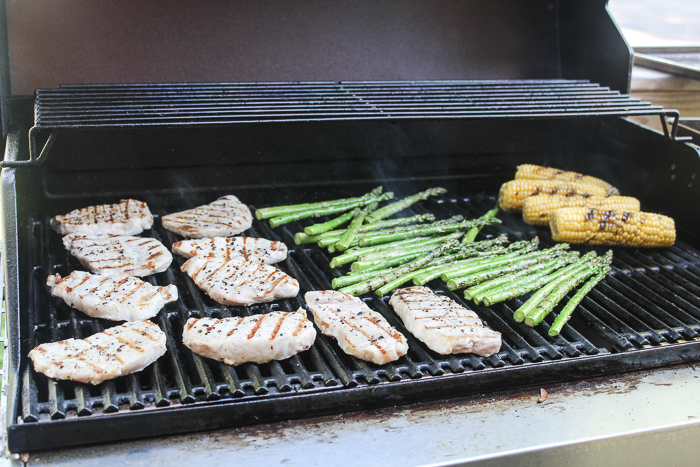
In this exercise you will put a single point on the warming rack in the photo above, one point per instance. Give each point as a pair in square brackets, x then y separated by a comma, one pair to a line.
[109, 106]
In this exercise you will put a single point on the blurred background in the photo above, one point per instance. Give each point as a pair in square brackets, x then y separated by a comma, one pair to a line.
[658, 23]
[665, 36]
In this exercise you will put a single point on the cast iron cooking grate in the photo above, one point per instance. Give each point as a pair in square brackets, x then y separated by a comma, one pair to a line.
[645, 314]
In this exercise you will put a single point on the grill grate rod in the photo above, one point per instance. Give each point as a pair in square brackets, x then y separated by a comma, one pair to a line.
[137, 105]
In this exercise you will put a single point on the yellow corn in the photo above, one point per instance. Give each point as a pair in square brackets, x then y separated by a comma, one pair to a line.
[512, 193]
[612, 228]
[537, 210]
[538, 172]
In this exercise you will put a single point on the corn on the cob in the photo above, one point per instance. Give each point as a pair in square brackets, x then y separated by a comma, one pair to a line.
[512, 193]
[538, 172]
[537, 210]
[613, 228]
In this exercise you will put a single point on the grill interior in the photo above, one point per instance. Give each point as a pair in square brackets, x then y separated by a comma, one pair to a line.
[649, 301]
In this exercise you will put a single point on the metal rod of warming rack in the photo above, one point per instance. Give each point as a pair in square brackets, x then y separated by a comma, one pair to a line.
[143, 105]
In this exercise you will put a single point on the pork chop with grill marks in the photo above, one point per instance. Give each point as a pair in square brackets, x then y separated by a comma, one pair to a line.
[117, 297]
[129, 217]
[245, 248]
[258, 338]
[238, 282]
[360, 331]
[112, 254]
[224, 217]
[114, 352]
[442, 324]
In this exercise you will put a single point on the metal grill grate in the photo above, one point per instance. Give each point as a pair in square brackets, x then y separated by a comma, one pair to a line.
[96, 106]
[650, 301]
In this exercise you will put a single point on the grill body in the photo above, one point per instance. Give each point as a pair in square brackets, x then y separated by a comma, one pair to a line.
[646, 315]
[546, 83]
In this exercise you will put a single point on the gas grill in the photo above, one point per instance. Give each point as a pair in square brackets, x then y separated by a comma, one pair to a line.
[180, 145]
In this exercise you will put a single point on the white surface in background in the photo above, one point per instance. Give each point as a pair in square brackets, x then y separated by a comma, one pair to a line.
[646, 23]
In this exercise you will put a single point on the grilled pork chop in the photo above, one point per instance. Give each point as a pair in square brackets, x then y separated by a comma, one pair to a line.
[118, 297]
[442, 324]
[238, 282]
[224, 217]
[111, 254]
[258, 338]
[129, 217]
[360, 331]
[245, 248]
[114, 352]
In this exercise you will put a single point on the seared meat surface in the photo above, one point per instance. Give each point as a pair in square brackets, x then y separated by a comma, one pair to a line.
[111, 254]
[360, 331]
[114, 352]
[129, 217]
[442, 324]
[245, 248]
[222, 218]
[117, 297]
[258, 338]
[238, 282]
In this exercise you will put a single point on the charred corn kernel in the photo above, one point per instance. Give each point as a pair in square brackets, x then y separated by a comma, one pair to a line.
[537, 210]
[512, 193]
[612, 228]
[538, 172]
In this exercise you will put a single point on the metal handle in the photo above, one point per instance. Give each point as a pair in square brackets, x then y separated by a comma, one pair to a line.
[34, 159]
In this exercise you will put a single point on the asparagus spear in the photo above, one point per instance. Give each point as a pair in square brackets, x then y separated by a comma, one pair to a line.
[402, 204]
[497, 270]
[477, 292]
[302, 238]
[349, 235]
[526, 284]
[364, 287]
[274, 211]
[352, 254]
[318, 229]
[318, 212]
[372, 258]
[431, 229]
[525, 253]
[348, 279]
[537, 314]
[449, 256]
[583, 263]
[474, 231]
[432, 273]
[565, 314]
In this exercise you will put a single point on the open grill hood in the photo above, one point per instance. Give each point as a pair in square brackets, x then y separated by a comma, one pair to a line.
[176, 146]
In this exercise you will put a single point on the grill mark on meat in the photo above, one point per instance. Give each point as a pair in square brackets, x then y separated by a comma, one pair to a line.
[363, 333]
[133, 291]
[279, 325]
[299, 328]
[272, 286]
[126, 342]
[256, 327]
[213, 325]
[235, 328]
[100, 285]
